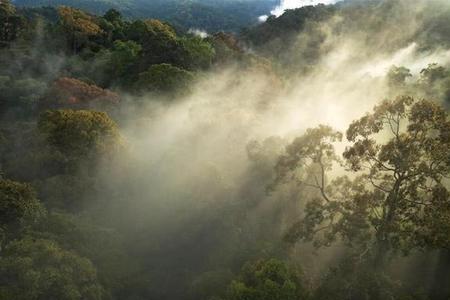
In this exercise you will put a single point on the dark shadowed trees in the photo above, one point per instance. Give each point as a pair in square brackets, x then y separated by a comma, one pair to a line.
[38, 269]
[268, 280]
[10, 22]
[19, 207]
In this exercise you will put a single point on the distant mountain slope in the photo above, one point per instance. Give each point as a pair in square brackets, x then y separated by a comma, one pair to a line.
[299, 36]
[209, 15]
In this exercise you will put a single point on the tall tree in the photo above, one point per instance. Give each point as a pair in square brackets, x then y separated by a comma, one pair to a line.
[399, 157]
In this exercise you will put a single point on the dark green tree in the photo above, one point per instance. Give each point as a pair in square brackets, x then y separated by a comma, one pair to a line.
[199, 53]
[119, 62]
[158, 40]
[80, 135]
[268, 280]
[38, 269]
[164, 78]
[10, 22]
[113, 16]
[19, 207]
[114, 25]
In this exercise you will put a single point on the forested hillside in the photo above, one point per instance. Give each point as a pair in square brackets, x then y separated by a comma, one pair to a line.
[303, 158]
[207, 15]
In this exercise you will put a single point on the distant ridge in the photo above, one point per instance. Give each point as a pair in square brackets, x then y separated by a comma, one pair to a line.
[209, 15]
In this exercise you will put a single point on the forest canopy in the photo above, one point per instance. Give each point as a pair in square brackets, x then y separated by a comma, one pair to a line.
[302, 157]
[209, 15]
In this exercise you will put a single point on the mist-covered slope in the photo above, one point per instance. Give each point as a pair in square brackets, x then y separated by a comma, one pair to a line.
[381, 25]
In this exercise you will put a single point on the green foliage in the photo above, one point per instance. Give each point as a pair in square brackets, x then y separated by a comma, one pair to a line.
[7, 9]
[18, 206]
[151, 33]
[10, 22]
[20, 96]
[113, 24]
[80, 134]
[113, 16]
[102, 246]
[116, 66]
[211, 15]
[199, 52]
[159, 43]
[107, 51]
[268, 280]
[35, 269]
[164, 78]
[123, 56]
[78, 27]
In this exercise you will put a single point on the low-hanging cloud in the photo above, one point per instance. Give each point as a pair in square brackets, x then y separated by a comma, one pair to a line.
[292, 4]
[198, 32]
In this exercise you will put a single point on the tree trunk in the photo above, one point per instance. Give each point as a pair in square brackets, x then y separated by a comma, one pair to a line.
[380, 255]
[382, 236]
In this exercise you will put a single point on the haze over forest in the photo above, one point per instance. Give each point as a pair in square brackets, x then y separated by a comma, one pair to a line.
[224, 150]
